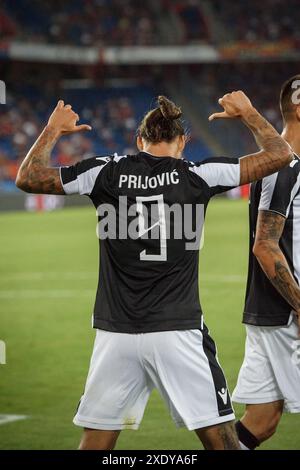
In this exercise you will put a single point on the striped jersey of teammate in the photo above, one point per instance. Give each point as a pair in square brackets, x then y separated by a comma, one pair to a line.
[280, 193]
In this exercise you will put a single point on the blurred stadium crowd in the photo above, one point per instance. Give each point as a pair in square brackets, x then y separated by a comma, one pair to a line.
[268, 20]
[96, 22]
[132, 22]
[114, 100]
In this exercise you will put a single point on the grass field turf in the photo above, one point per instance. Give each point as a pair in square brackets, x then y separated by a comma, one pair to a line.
[48, 274]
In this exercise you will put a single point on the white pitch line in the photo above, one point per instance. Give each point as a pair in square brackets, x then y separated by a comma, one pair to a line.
[4, 419]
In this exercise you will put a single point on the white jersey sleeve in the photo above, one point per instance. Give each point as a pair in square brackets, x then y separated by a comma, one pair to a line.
[81, 177]
[219, 173]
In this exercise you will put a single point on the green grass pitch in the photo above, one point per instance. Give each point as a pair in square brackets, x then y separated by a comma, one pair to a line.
[48, 274]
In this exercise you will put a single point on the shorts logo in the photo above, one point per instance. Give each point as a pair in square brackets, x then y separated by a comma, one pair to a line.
[224, 395]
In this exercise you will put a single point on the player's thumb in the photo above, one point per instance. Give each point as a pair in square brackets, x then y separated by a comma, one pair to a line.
[221, 115]
[83, 127]
[60, 104]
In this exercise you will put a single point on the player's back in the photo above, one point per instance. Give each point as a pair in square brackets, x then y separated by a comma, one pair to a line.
[147, 274]
[150, 216]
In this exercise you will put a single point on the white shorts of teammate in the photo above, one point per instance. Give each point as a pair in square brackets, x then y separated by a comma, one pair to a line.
[271, 367]
[125, 368]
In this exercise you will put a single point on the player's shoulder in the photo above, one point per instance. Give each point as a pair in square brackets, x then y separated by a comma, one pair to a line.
[115, 158]
[100, 160]
[288, 174]
[212, 161]
[292, 167]
[88, 164]
[283, 184]
[211, 166]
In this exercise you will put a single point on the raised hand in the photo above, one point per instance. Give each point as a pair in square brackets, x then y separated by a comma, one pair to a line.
[35, 175]
[63, 120]
[235, 104]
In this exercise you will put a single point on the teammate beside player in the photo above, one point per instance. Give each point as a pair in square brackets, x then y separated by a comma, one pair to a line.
[269, 380]
[150, 331]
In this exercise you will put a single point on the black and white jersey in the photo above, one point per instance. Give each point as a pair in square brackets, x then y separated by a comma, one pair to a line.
[279, 193]
[148, 278]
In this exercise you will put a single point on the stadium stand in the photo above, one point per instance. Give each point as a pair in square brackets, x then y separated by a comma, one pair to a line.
[270, 20]
[193, 20]
[131, 22]
[97, 22]
[81, 22]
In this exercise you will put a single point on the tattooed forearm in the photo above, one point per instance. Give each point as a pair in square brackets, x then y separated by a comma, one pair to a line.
[229, 436]
[276, 268]
[35, 175]
[270, 226]
[285, 283]
[275, 151]
[219, 437]
[273, 262]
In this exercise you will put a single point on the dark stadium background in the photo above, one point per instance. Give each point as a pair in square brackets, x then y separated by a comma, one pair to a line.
[110, 59]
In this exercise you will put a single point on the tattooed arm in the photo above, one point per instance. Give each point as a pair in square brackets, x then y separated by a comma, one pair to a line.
[266, 248]
[275, 152]
[35, 175]
[220, 437]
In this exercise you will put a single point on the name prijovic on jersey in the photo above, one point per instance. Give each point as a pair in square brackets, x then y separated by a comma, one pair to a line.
[146, 182]
[149, 283]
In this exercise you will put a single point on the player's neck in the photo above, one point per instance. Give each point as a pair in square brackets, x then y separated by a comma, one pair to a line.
[162, 150]
[291, 133]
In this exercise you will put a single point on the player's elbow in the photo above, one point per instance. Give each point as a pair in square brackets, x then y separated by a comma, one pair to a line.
[284, 153]
[260, 247]
[22, 181]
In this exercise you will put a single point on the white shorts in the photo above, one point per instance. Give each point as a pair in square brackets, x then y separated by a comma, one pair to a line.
[271, 367]
[125, 368]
